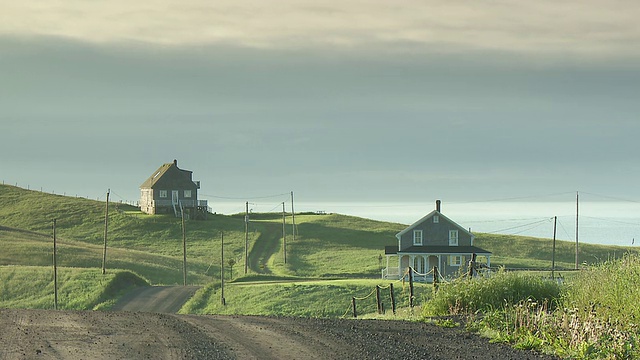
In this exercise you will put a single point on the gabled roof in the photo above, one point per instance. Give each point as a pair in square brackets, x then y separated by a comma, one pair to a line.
[429, 215]
[158, 174]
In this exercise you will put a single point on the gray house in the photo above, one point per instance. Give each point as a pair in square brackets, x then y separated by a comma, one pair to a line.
[171, 190]
[434, 240]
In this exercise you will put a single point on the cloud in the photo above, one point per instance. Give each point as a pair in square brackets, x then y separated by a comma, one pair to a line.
[601, 29]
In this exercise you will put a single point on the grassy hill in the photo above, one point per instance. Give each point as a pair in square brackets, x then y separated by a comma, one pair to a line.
[325, 246]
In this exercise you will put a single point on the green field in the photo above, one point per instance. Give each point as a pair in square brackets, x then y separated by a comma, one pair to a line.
[326, 247]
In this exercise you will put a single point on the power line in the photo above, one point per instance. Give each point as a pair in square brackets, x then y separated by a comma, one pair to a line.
[521, 226]
[512, 198]
[611, 220]
[611, 197]
[243, 198]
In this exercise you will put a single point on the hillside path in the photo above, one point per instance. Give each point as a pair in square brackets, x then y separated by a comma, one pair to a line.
[159, 299]
[265, 246]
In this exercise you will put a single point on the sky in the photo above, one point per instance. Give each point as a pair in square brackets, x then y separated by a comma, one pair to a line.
[341, 101]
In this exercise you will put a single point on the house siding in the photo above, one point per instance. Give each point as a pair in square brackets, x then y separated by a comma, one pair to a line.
[435, 249]
[435, 234]
[168, 178]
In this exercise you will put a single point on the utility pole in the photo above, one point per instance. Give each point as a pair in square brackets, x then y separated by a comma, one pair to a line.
[577, 209]
[184, 248]
[553, 254]
[246, 238]
[293, 219]
[106, 225]
[55, 269]
[284, 233]
[222, 268]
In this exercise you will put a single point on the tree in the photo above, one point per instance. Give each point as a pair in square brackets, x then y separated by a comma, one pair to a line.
[231, 262]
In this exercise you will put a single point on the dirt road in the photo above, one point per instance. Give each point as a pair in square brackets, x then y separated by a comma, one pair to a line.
[146, 327]
[160, 299]
[73, 335]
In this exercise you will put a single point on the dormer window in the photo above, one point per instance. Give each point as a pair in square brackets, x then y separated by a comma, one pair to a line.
[417, 237]
[436, 219]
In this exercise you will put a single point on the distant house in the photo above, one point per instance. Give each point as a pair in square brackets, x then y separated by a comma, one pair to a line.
[434, 240]
[171, 190]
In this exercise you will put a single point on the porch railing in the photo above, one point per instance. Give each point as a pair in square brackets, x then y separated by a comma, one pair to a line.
[391, 273]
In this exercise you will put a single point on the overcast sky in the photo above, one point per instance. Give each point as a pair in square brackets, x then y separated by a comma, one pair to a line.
[339, 100]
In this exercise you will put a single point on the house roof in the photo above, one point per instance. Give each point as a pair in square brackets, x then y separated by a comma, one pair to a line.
[157, 175]
[429, 215]
[442, 249]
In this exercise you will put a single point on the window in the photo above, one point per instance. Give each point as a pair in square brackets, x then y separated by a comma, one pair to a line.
[453, 237]
[417, 237]
[187, 193]
[436, 219]
[455, 260]
[163, 193]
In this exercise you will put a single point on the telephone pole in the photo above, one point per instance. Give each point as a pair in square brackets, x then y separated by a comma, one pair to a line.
[222, 268]
[553, 254]
[106, 225]
[246, 238]
[577, 209]
[55, 269]
[284, 233]
[293, 220]
[184, 248]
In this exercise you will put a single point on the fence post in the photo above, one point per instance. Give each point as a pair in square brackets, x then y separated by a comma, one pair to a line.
[393, 299]
[472, 265]
[410, 286]
[436, 279]
[378, 299]
[353, 303]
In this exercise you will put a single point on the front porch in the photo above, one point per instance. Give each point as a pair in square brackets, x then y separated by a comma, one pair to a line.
[449, 264]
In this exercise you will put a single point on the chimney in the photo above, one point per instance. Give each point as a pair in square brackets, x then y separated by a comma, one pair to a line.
[438, 205]
[175, 162]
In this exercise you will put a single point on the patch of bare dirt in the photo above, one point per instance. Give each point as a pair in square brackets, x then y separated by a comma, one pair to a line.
[161, 299]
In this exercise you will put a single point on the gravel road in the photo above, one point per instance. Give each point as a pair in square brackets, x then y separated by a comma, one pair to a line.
[73, 335]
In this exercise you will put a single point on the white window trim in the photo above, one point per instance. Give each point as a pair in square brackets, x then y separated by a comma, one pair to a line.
[164, 193]
[436, 219]
[187, 193]
[452, 238]
[415, 238]
[452, 262]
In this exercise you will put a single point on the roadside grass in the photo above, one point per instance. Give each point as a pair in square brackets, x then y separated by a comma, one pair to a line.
[471, 296]
[32, 287]
[318, 298]
[595, 315]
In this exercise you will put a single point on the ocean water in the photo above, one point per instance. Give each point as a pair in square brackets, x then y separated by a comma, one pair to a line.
[599, 222]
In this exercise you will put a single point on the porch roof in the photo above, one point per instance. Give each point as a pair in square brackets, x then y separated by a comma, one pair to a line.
[391, 250]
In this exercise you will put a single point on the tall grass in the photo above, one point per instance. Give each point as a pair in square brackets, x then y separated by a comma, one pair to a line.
[595, 316]
[468, 296]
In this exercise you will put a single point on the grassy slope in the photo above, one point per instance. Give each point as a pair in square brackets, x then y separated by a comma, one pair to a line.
[521, 251]
[79, 288]
[151, 246]
[326, 298]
